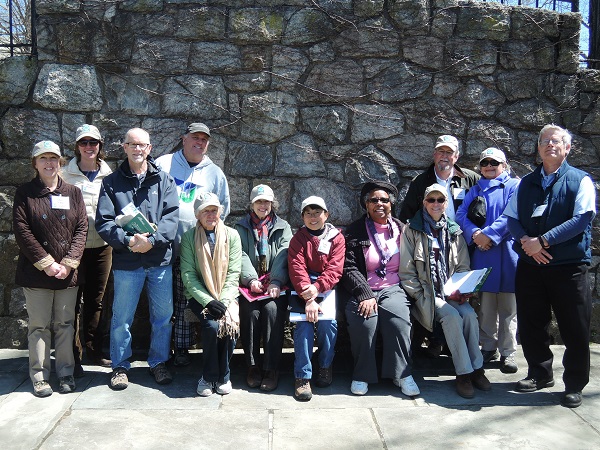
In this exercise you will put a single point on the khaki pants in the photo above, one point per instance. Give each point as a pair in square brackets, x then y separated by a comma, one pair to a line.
[44, 306]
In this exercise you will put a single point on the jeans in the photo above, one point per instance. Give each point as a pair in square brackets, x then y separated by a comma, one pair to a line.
[128, 287]
[304, 336]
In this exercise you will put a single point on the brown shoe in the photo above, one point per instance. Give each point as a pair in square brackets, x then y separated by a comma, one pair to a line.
[302, 390]
[325, 377]
[480, 381]
[269, 382]
[464, 386]
[254, 377]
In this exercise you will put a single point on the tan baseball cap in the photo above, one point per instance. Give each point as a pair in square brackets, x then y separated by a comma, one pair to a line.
[45, 147]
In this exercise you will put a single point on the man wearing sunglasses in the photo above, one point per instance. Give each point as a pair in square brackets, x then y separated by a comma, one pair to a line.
[550, 216]
[443, 171]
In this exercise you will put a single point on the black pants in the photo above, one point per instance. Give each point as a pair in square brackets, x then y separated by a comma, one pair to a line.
[563, 289]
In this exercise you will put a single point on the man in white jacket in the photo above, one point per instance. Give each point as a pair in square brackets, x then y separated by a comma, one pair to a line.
[193, 172]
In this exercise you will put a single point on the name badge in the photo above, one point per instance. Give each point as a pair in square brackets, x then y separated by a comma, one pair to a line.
[392, 246]
[459, 193]
[537, 212]
[324, 247]
[91, 188]
[435, 244]
[60, 202]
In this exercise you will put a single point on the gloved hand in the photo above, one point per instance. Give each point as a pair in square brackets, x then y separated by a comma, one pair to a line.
[216, 309]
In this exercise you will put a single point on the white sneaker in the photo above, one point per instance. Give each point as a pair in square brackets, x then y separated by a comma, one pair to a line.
[408, 386]
[359, 387]
[223, 389]
[205, 389]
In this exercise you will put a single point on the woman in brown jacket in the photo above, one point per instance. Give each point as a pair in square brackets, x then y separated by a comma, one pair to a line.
[50, 225]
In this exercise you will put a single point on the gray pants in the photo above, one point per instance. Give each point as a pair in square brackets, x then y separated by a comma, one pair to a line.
[393, 323]
[498, 322]
[461, 329]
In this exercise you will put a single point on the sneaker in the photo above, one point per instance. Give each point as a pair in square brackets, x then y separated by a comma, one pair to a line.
[161, 374]
[269, 382]
[182, 357]
[480, 381]
[490, 355]
[408, 386]
[42, 389]
[508, 364]
[325, 377]
[204, 389]
[66, 384]
[531, 384]
[254, 377]
[223, 388]
[302, 389]
[359, 387]
[464, 386]
[119, 380]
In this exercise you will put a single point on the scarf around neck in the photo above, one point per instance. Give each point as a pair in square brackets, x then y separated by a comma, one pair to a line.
[213, 265]
[382, 249]
[438, 266]
[261, 229]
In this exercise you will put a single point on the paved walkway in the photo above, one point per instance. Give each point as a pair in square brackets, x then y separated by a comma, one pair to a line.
[146, 416]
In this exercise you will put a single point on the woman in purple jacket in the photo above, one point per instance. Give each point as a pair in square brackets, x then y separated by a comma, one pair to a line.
[492, 247]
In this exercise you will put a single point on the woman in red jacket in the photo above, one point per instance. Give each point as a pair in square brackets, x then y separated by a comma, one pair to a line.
[315, 264]
[50, 225]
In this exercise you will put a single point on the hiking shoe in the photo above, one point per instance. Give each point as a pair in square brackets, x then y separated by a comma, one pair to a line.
[223, 388]
[508, 364]
[204, 389]
[302, 389]
[161, 374]
[531, 384]
[66, 384]
[464, 386]
[119, 380]
[42, 389]
[571, 399]
[325, 377]
[182, 357]
[359, 387]
[480, 381]
[269, 382]
[254, 377]
[490, 355]
[408, 386]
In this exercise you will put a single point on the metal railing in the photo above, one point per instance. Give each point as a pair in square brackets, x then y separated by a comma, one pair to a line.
[17, 30]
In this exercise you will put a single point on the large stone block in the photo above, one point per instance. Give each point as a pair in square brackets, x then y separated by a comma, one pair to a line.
[520, 84]
[57, 6]
[332, 82]
[16, 305]
[528, 114]
[373, 38]
[368, 8]
[563, 89]
[522, 55]
[13, 333]
[534, 23]
[590, 80]
[342, 202]
[9, 252]
[410, 150]
[483, 134]
[370, 164]
[195, 96]
[134, 94]
[160, 55]
[215, 58]
[249, 160]
[329, 123]
[268, 117]
[477, 21]
[141, 5]
[289, 65]
[17, 75]
[255, 25]
[70, 88]
[400, 82]
[471, 57]
[15, 172]
[435, 116]
[204, 23]
[246, 83]
[299, 157]
[23, 128]
[7, 195]
[476, 100]
[307, 26]
[375, 122]
[427, 51]
[410, 15]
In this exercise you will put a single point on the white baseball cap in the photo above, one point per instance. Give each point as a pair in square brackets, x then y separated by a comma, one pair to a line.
[313, 200]
[261, 192]
[45, 147]
[493, 153]
[204, 200]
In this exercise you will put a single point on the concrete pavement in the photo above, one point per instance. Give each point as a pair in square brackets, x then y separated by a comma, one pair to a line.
[148, 416]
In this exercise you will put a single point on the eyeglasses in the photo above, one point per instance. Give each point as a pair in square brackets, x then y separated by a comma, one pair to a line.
[489, 162]
[375, 200]
[445, 152]
[86, 142]
[545, 142]
[433, 200]
[141, 146]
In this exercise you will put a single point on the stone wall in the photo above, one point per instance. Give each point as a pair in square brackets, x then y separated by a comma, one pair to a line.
[310, 96]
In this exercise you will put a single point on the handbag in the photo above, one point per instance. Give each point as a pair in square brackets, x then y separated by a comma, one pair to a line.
[476, 212]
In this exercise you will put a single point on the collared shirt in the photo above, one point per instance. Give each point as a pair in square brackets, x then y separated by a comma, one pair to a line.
[450, 212]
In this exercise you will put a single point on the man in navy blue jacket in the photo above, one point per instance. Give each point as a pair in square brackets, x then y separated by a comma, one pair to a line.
[139, 258]
[550, 217]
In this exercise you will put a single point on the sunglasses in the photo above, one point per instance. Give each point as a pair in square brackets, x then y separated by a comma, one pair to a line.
[86, 142]
[489, 162]
[433, 200]
[374, 200]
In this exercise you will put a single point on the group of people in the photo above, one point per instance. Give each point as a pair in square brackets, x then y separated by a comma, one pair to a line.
[160, 225]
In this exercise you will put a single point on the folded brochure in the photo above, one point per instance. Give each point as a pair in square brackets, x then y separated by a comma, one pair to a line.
[326, 302]
[252, 296]
[467, 282]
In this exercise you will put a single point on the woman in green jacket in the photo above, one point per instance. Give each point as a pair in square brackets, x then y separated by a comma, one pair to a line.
[211, 257]
[265, 239]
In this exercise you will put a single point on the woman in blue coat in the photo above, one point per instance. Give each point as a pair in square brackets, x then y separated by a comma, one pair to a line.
[492, 247]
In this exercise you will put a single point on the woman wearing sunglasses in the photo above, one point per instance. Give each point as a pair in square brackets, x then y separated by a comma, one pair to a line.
[431, 251]
[370, 288]
[86, 171]
[492, 246]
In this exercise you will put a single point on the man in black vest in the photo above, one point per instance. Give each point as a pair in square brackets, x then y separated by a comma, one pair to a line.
[550, 217]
